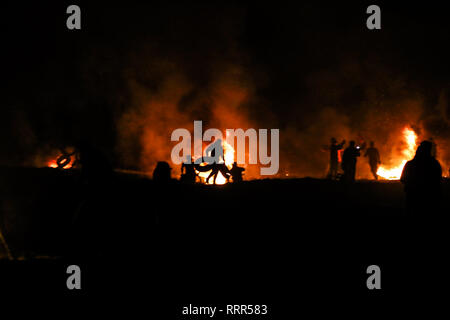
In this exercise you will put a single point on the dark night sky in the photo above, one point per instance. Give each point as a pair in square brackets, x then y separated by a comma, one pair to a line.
[60, 85]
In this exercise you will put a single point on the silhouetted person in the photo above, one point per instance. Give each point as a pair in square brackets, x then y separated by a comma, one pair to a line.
[91, 222]
[188, 174]
[334, 158]
[349, 161]
[215, 158]
[374, 159]
[161, 174]
[95, 166]
[236, 173]
[216, 168]
[422, 177]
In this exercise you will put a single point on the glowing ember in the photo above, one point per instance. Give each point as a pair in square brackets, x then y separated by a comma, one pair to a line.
[394, 172]
[228, 153]
[66, 163]
[52, 164]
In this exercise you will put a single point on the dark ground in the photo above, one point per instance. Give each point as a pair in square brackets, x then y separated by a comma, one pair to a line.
[298, 244]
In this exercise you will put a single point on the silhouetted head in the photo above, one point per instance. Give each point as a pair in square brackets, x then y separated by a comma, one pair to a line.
[163, 165]
[333, 140]
[162, 172]
[424, 150]
[372, 144]
[352, 143]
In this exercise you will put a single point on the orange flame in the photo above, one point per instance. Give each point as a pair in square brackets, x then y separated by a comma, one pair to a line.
[228, 154]
[54, 164]
[394, 172]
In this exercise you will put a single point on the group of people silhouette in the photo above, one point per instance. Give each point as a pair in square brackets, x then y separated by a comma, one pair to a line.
[349, 159]
[213, 162]
[421, 176]
[190, 171]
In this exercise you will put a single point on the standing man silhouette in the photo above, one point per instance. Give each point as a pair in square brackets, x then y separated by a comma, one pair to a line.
[215, 158]
[349, 161]
[334, 159]
[374, 159]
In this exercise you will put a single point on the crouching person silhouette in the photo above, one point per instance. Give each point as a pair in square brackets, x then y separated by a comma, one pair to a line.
[236, 173]
[188, 174]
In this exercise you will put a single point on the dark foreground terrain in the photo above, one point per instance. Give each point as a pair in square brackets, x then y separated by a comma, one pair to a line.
[295, 245]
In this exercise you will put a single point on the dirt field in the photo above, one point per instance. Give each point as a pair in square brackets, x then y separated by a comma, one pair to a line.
[257, 238]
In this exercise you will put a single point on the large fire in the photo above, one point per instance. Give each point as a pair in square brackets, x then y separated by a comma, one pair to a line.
[394, 172]
[228, 154]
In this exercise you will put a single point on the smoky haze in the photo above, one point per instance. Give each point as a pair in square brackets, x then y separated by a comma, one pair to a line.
[134, 73]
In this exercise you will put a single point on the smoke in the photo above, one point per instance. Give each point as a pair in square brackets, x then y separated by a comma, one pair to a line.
[362, 100]
[127, 86]
[145, 128]
[436, 125]
[342, 102]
